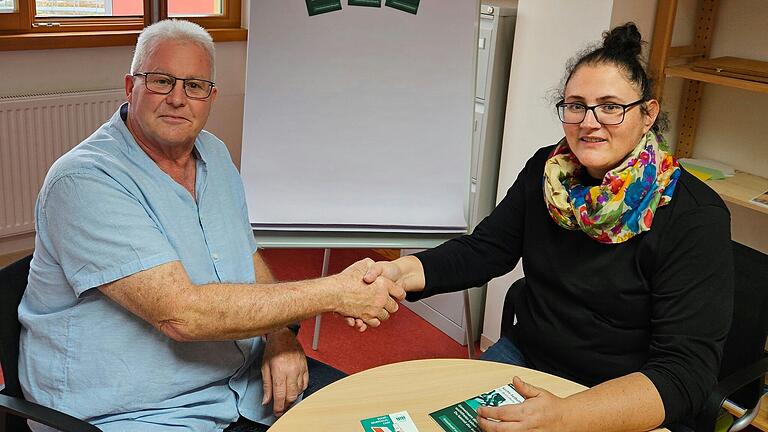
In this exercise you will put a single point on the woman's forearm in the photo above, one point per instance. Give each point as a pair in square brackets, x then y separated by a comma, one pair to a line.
[628, 403]
[411, 273]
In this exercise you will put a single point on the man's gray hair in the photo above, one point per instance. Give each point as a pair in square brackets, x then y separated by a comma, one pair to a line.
[172, 30]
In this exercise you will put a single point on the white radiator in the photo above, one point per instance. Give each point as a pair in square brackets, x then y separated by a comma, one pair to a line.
[34, 131]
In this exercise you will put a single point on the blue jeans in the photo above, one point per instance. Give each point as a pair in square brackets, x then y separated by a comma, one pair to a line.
[505, 351]
[320, 375]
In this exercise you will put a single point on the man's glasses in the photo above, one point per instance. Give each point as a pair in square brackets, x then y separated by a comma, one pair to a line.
[161, 83]
[606, 114]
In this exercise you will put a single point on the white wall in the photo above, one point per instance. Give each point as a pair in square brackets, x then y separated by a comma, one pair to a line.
[36, 71]
[544, 41]
[501, 3]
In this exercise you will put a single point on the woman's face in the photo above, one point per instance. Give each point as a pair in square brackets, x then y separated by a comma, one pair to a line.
[598, 147]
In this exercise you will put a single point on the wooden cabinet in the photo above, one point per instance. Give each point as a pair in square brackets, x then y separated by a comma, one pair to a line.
[693, 64]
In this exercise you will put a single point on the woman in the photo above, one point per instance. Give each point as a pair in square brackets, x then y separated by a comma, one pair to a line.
[626, 256]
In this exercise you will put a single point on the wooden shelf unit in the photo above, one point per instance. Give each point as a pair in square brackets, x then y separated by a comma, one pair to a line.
[740, 189]
[761, 421]
[687, 72]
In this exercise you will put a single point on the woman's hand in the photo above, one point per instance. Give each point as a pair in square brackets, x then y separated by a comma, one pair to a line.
[541, 411]
[406, 273]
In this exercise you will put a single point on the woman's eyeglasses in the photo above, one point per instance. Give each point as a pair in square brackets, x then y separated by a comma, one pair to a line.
[606, 114]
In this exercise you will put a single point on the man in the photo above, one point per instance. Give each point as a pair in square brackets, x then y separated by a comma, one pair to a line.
[146, 294]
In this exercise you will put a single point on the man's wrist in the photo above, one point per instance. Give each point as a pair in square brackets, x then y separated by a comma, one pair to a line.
[332, 292]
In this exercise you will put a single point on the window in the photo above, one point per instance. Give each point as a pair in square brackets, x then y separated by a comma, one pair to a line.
[88, 8]
[7, 6]
[36, 24]
[180, 8]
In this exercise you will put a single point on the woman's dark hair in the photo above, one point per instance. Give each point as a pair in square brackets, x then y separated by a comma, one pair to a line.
[621, 47]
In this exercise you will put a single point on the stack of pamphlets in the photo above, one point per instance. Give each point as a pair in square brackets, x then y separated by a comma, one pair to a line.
[462, 417]
[706, 169]
[761, 200]
[395, 422]
[459, 417]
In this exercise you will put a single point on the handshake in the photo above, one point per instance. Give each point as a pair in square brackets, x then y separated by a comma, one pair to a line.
[370, 291]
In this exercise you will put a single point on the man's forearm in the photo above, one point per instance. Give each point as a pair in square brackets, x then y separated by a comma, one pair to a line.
[264, 275]
[165, 297]
[261, 269]
[222, 312]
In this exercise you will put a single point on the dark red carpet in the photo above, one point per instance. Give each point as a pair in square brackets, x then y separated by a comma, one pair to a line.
[405, 336]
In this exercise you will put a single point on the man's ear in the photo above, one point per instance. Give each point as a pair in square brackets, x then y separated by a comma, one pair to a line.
[214, 91]
[128, 86]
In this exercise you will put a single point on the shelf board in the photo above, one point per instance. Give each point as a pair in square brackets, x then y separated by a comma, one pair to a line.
[761, 421]
[685, 71]
[740, 189]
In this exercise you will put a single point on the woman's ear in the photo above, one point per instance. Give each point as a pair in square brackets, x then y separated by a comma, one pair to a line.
[652, 109]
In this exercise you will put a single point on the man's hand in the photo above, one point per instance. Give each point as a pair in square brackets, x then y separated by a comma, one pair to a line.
[541, 411]
[386, 269]
[370, 302]
[283, 370]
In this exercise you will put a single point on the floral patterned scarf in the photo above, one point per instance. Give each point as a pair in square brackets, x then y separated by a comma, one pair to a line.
[624, 204]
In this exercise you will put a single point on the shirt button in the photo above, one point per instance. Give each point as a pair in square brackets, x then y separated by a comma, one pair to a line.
[215, 256]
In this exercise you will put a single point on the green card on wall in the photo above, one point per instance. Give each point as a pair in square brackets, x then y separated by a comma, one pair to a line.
[411, 6]
[370, 3]
[315, 7]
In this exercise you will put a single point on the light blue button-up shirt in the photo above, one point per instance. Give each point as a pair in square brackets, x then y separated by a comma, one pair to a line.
[106, 211]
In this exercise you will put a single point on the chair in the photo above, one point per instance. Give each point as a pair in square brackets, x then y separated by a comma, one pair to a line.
[744, 363]
[14, 410]
[508, 311]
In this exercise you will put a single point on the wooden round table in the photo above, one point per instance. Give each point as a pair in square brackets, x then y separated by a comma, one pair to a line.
[419, 387]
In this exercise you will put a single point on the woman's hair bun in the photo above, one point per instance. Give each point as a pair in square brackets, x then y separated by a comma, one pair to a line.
[623, 41]
[622, 49]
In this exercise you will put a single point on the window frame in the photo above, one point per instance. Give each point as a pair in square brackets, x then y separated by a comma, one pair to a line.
[230, 17]
[21, 30]
[15, 20]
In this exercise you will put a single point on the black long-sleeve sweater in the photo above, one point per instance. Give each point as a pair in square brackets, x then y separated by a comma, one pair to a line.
[660, 303]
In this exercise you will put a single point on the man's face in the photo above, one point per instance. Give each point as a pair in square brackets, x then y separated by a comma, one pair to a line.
[173, 120]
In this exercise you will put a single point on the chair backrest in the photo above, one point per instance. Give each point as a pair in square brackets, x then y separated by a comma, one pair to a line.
[746, 339]
[13, 282]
